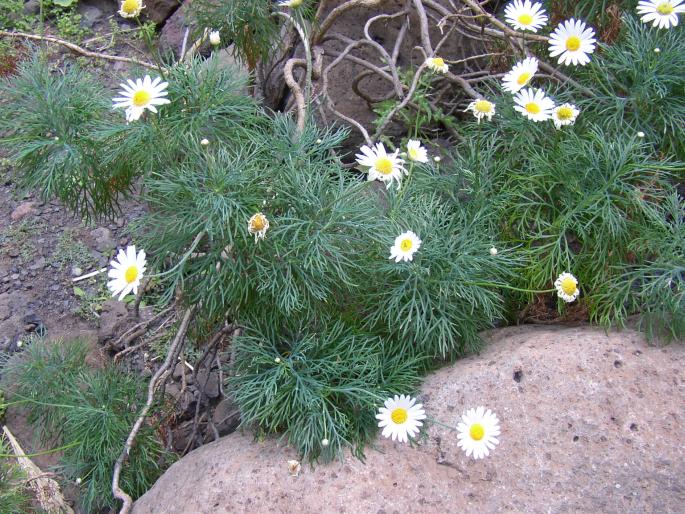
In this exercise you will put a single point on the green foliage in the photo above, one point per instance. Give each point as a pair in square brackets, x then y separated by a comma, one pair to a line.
[641, 89]
[599, 13]
[248, 24]
[91, 412]
[316, 386]
[52, 141]
[14, 498]
[11, 15]
[594, 198]
[71, 251]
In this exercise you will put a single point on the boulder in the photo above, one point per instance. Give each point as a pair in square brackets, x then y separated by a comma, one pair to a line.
[159, 11]
[22, 210]
[591, 422]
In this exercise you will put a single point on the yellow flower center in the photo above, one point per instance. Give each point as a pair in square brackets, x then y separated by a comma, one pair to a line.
[131, 274]
[664, 8]
[477, 431]
[141, 98]
[258, 223]
[413, 153]
[565, 113]
[533, 108]
[438, 62]
[525, 19]
[399, 416]
[568, 286]
[130, 6]
[295, 3]
[483, 106]
[384, 165]
[406, 245]
[523, 78]
[573, 43]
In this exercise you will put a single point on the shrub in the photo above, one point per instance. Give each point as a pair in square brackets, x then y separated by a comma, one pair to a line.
[88, 411]
[14, 498]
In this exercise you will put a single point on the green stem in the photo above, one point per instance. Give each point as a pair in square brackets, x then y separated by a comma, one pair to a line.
[46, 452]
[435, 421]
[505, 286]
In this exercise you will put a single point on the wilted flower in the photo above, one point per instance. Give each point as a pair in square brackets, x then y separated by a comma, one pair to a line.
[437, 64]
[567, 287]
[481, 108]
[257, 225]
[131, 8]
[294, 467]
[565, 114]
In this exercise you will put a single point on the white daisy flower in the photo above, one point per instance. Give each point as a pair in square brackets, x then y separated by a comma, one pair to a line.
[257, 225]
[290, 3]
[437, 64]
[381, 165]
[572, 41]
[416, 152]
[662, 13]
[214, 38]
[565, 114]
[493, 251]
[525, 15]
[478, 432]
[533, 104]
[126, 271]
[520, 75]
[567, 287]
[437, 158]
[406, 245]
[641, 134]
[482, 108]
[131, 8]
[400, 418]
[204, 141]
[140, 95]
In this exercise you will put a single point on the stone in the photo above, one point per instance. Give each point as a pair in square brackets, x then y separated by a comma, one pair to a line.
[31, 7]
[578, 435]
[226, 416]
[90, 15]
[173, 31]
[210, 382]
[160, 10]
[113, 321]
[23, 210]
[104, 241]
[181, 369]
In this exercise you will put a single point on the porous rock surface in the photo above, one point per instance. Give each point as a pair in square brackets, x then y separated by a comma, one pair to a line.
[591, 422]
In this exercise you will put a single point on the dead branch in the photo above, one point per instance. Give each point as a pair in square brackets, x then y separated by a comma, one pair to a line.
[78, 49]
[160, 376]
[47, 490]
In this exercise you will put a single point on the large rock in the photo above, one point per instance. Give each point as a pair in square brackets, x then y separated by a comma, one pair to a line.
[590, 423]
